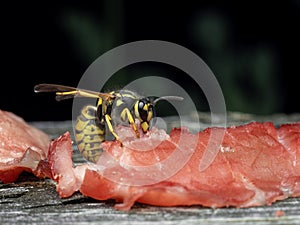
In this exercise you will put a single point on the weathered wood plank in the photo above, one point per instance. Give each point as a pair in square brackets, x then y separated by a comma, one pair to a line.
[34, 201]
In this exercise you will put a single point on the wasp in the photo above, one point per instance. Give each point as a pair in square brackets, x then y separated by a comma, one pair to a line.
[115, 107]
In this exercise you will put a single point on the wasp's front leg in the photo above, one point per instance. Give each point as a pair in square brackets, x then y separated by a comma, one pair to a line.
[111, 129]
[131, 121]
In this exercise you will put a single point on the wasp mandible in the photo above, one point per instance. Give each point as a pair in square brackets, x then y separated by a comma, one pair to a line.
[111, 108]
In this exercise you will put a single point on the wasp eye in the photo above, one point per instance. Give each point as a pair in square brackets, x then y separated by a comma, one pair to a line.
[143, 110]
[141, 104]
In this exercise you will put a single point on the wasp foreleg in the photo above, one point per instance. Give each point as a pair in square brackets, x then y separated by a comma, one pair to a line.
[111, 129]
[132, 122]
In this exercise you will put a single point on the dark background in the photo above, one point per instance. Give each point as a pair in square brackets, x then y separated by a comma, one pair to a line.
[252, 48]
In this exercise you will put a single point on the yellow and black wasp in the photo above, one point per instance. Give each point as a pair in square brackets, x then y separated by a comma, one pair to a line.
[116, 107]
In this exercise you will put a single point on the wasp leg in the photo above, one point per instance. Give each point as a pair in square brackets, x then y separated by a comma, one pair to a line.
[111, 129]
[77, 92]
[132, 122]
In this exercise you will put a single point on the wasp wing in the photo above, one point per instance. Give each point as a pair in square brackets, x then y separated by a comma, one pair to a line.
[66, 92]
[63, 97]
[52, 88]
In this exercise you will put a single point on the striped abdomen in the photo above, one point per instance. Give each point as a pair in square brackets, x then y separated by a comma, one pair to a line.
[89, 133]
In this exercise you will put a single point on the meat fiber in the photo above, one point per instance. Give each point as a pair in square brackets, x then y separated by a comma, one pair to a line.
[22, 147]
[257, 164]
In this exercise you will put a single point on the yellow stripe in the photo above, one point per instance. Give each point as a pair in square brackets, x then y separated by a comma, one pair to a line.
[99, 102]
[145, 126]
[149, 116]
[119, 102]
[145, 107]
[67, 93]
[110, 127]
[88, 138]
[80, 125]
[87, 116]
[129, 96]
[78, 92]
[123, 115]
[136, 109]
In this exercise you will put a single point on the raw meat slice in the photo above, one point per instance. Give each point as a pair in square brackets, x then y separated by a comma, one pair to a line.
[256, 165]
[22, 147]
[61, 165]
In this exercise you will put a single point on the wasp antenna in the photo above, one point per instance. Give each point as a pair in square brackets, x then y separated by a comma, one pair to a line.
[176, 98]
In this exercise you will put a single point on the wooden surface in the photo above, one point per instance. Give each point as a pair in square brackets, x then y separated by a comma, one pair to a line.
[34, 201]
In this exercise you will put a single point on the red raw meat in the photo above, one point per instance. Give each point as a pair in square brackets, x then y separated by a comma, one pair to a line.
[257, 164]
[22, 147]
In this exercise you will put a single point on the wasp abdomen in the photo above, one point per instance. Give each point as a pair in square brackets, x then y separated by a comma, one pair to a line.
[89, 133]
